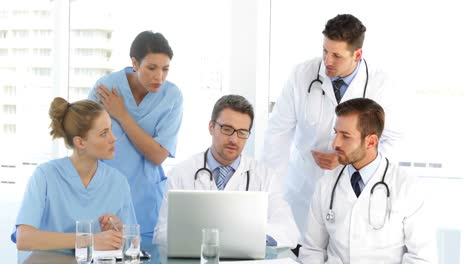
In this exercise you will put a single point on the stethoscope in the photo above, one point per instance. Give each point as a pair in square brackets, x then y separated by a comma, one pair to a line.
[331, 215]
[308, 104]
[317, 79]
[205, 169]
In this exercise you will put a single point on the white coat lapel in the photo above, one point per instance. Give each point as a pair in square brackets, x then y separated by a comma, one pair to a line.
[356, 87]
[238, 180]
[327, 85]
[375, 178]
[345, 186]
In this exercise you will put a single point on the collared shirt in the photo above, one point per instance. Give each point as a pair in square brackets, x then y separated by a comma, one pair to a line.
[347, 80]
[367, 171]
[214, 165]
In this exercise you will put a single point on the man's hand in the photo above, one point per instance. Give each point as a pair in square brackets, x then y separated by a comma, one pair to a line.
[326, 161]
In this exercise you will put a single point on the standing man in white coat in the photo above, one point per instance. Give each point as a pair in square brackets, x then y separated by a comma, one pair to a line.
[369, 210]
[230, 125]
[300, 130]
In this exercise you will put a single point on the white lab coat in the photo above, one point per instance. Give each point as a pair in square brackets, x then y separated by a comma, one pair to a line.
[280, 223]
[294, 131]
[407, 237]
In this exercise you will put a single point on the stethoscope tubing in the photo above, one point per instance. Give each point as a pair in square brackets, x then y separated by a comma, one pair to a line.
[210, 173]
[330, 215]
[317, 79]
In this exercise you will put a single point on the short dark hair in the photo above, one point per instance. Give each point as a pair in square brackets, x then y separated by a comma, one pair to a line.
[346, 28]
[371, 116]
[234, 102]
[148, 42]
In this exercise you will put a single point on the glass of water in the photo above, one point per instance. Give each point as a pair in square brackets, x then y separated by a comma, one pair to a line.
[210, 246]
[84, 241]
[131, 244]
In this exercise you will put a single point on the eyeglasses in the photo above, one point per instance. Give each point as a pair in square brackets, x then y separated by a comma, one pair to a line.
[229, 131]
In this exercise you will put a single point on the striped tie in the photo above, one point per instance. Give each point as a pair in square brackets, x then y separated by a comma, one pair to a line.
[223, 172]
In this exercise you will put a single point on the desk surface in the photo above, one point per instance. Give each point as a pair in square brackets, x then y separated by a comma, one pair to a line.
[49, 257]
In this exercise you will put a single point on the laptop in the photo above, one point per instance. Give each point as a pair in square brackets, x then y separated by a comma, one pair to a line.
[240, 217]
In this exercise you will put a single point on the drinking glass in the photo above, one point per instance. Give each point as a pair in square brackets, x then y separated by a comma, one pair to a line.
[84, 241]
[210, 246]
[131, 244]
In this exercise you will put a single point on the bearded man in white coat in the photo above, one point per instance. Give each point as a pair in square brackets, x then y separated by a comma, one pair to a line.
[300, 131]
[369, 210]
[230, 126]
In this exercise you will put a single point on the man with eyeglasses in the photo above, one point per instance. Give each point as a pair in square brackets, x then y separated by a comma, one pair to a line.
[224, 167]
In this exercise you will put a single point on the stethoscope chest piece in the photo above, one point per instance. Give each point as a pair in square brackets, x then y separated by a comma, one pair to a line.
[330, 216]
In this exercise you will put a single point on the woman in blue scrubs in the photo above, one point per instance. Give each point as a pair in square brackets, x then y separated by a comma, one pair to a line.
[79, 187]
[147, 112]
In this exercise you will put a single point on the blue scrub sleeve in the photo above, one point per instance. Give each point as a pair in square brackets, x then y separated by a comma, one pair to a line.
[168, 128]
[34, 200]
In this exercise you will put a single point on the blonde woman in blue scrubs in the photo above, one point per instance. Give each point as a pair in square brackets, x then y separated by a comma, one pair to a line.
[77, 187]
[147, 112]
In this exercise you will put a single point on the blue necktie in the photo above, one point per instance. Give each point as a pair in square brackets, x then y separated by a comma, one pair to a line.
[355, 178]
[336, 88]
[223, 172]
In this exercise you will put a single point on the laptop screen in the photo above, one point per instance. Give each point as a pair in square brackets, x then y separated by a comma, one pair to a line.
[240, 217]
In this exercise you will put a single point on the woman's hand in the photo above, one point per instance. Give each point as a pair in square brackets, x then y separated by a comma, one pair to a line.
[106, 223]
[112, 101]
[108, 240]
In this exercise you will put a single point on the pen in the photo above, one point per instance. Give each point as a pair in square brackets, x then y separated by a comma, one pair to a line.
[113, 224]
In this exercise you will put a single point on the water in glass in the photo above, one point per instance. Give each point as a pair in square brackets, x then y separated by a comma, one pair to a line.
[209, 254]
[84, 248]
[131, 249]
[210, 246]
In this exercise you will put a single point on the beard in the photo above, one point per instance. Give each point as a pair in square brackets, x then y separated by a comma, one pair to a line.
[354, 156]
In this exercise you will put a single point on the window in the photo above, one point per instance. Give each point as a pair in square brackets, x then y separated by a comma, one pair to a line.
[41, 52]
[9, 109]
[9, 129]
[20, 52]
[7, 71]
[9, 90]
[3, 14]
[41, 13]
[20, 13]
[41, 72]
[20, 34]
[42, 33]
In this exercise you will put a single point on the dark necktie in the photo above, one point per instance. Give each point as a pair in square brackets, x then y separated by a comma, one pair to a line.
[355, 178]
[336, 88]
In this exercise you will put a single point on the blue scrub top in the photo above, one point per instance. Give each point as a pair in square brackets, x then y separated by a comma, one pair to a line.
[160, 116]
[55, 197]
